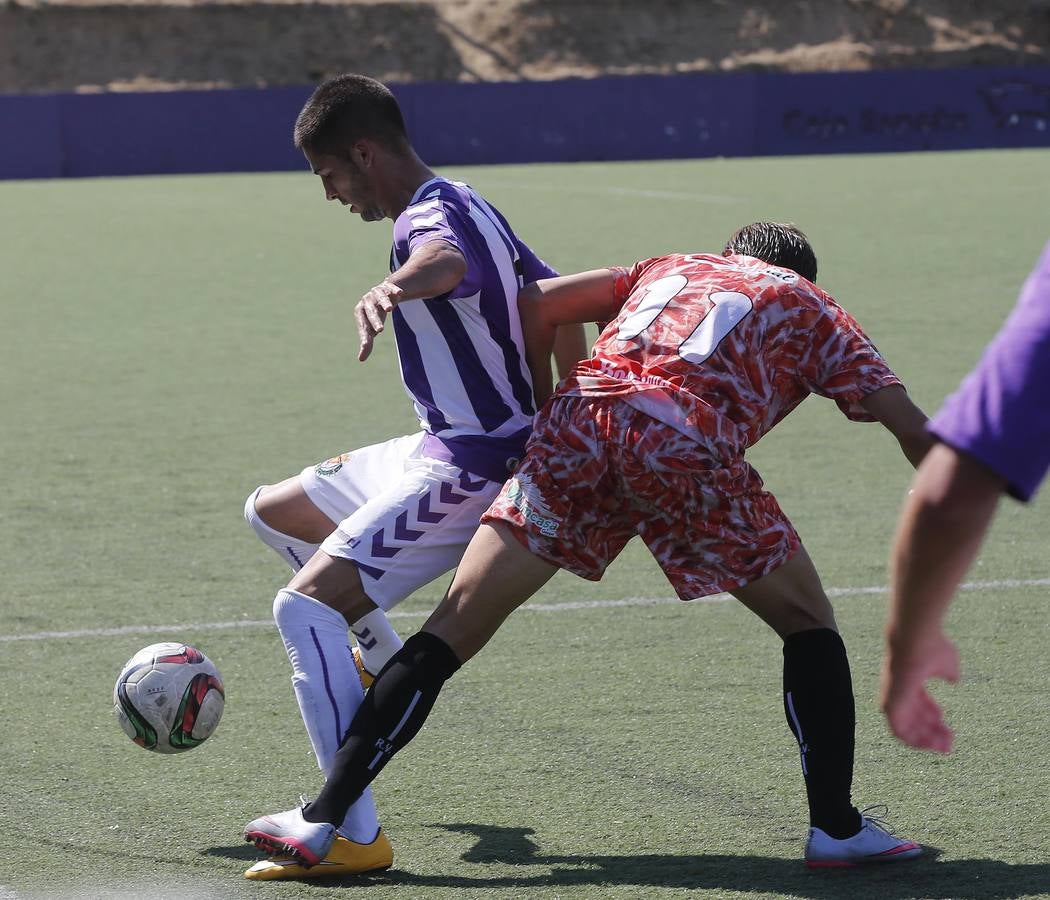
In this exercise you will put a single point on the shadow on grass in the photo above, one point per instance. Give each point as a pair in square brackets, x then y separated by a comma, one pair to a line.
[926, 877]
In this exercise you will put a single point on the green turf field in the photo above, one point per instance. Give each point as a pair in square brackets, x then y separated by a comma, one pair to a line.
[170, 343]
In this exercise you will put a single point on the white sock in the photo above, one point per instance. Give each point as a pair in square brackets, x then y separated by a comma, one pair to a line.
[376, 640]
[327, 688]
[292, 550]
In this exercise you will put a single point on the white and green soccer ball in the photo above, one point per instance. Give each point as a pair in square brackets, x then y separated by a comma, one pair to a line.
[169, 697]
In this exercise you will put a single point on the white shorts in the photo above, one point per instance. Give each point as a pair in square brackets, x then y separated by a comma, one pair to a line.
[404, 519]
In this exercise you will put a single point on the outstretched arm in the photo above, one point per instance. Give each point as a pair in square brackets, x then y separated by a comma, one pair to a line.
[903, 419]
[433, 269]
[948, 510]
[550, 302]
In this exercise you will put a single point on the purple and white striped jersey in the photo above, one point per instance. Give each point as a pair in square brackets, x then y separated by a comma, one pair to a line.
[462, 354]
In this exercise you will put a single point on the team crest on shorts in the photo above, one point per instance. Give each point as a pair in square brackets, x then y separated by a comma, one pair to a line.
[333, 465]
[524, 494]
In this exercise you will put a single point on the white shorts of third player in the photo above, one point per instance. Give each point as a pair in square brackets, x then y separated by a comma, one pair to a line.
[404, 519]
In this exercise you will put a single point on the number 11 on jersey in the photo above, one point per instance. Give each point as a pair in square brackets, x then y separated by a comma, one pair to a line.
[728, 310]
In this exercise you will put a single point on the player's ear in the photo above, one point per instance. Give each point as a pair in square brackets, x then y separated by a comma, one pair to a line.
[362, 154]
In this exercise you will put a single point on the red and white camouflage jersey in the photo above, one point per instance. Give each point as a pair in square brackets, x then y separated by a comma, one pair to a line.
[722, 348]
[647, 437]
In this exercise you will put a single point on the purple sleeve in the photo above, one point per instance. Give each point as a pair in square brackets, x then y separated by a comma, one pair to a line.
[448, 218]
[532, 267]
[1000, 415]
[439, 220]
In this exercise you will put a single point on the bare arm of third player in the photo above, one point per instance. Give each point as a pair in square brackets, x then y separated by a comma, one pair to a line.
[551, 303]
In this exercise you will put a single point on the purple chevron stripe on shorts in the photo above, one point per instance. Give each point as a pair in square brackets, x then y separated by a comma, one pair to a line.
[381, 550]
[448, 495]
[401, 530]
[370, 571]
[423, 513]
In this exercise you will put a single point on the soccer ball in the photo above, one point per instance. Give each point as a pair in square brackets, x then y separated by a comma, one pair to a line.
[168, 697]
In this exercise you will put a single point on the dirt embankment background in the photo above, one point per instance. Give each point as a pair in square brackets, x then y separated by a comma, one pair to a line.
[66, 45]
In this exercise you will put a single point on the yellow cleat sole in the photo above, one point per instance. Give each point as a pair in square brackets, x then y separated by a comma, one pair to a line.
[345, 858]
[366, 677]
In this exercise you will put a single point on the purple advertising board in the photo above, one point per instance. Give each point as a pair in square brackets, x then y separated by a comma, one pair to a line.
[609, 118]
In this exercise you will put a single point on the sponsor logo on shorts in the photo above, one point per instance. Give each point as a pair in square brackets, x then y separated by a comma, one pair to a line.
[333, 465]
[620, 374]
[526, 497]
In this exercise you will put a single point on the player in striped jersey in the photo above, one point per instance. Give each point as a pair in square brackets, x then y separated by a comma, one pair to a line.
[391, 517]
[704, 355]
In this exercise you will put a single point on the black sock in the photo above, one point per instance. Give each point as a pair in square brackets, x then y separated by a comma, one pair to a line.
[393, 711]
[818, 702]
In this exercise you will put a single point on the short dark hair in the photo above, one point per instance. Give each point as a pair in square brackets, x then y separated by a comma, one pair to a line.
[345, 109]
[777, 243]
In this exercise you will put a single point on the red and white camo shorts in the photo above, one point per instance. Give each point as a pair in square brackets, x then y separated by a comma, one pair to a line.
[597, 472]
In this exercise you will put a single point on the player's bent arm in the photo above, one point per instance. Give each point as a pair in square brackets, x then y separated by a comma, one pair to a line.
[894, 409]
[552, 302]
[433, 269]
[947, 512]
[570, 346]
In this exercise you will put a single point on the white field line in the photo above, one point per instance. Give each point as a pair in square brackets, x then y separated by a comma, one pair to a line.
[531, 607]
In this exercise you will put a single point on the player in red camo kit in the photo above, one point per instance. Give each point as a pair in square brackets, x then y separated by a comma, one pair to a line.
[703, 355]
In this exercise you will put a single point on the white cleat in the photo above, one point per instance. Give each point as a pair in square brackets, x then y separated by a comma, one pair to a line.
[875, 842]
[289, 833]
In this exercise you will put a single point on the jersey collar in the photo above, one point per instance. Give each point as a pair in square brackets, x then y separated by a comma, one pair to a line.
[424, 187]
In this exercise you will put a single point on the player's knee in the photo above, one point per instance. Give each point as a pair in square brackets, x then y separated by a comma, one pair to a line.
[285, 509]
[252, 517]
[788, 611]
[283, 608]
[805, 613]
[280, 602]
[268, 506]
[250, 513]
[294, 611]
